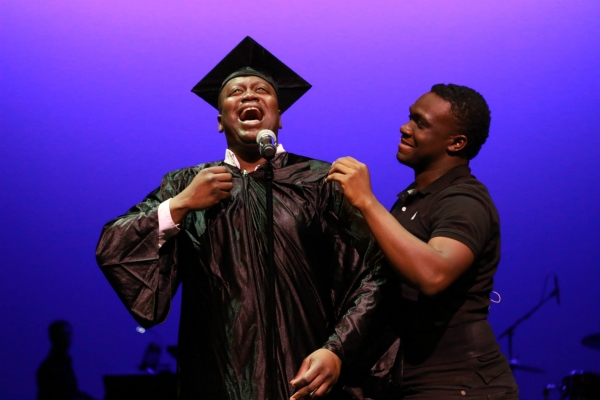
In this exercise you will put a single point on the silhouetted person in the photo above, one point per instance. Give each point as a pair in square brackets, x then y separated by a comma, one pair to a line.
[55, 377]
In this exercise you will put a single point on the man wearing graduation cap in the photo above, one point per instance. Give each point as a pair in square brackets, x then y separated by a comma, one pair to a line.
[204, 227]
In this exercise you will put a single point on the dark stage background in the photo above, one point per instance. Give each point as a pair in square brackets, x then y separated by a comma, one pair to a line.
[96, 107]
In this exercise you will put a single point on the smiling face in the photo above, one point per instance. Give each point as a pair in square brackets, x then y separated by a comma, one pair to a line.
[247, 105]
[431, 136]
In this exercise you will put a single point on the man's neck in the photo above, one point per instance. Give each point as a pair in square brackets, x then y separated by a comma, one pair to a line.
[247, 162]
[249, 166]
[425, 177]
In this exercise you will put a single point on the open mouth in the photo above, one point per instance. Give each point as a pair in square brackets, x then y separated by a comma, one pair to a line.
[251, 114]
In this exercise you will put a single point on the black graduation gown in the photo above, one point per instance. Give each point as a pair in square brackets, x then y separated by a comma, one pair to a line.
[326, 265]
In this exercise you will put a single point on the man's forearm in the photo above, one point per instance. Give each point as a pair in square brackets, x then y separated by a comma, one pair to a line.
[430, 266]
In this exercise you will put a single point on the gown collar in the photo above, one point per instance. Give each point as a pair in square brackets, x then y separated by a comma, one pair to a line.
[232, 160]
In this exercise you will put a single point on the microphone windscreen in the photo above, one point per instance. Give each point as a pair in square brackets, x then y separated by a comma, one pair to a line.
[263, 134]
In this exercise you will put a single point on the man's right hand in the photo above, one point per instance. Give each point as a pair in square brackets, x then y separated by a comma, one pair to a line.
[209, 187]
[354, 178]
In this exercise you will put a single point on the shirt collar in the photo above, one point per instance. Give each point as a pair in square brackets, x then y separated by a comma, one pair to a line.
[232, 160]
[439, 183]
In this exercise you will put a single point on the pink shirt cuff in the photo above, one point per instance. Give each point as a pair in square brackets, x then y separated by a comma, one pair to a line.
[166, 227]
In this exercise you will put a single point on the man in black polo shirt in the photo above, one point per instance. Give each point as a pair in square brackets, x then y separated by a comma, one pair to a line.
[442, 238]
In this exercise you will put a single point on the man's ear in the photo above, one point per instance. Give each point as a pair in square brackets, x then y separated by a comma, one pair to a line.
[457, 143]
[220, 124]
[279, 119]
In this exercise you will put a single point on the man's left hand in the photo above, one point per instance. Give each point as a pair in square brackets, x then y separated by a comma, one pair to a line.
[317, 375]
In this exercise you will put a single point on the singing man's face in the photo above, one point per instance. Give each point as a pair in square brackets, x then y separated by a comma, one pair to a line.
[247, 105]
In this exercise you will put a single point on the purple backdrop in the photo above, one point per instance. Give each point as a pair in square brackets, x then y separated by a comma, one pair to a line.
[96, 107]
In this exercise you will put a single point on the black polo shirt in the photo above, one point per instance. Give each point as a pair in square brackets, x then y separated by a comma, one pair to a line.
[456, 206]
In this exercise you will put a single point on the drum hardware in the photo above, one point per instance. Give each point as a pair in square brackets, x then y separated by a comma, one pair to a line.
[592, 341]
[579, 385]
[516, 364]
[509, 332]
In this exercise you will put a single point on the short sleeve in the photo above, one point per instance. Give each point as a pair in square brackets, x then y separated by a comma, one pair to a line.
[462, 215]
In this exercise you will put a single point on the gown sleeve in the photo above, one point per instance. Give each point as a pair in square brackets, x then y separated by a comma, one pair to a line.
[362, 337]
[144, 276]
[356, 263]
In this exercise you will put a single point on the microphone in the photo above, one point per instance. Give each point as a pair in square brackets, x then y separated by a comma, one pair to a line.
[556, 291]
[267, 143]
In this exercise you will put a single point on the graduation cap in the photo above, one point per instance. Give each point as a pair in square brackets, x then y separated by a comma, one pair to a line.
[250, 58]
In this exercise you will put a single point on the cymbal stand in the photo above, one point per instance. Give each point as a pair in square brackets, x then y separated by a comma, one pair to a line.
[510, 331]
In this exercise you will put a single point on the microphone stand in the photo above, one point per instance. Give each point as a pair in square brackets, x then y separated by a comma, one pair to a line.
[272, 370]
[509, 332]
